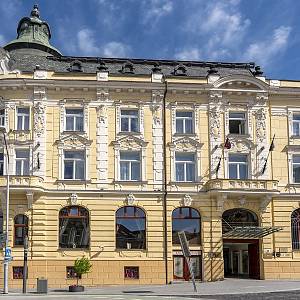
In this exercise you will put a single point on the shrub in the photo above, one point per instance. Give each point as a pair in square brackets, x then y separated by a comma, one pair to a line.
[82, 266]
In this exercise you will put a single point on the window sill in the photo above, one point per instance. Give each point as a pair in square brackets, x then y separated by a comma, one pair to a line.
[295, 137]
[74, 131]
[184, 182]
[235, 135]
[130, 250]
[129, 133]
[73, 249]
[130, 182]
[73, 181]
[185, 134]
[27, 131]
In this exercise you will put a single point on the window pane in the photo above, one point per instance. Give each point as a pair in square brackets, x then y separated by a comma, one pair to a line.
[234, 126]
[135, 171]
[296, 173]
[243, 171]
[124, 170]
[236, 115]
[79, 171]
[190, 172]
[296, 158]
[22, 154]
[25, 167]
[296, 117]
[186, 114]
[74, 154]
[233, 171]
[26, 123]
[129, 113]
[184, 157]
[20, 123]
[179, 126]
[237, 158]
[23, 110]
[124, 124]
[79, 124]
[68, 170]
[69, 123]
[132, 155]
[179, 172]
[134, 125]
[72, 111]
[189, 126]
[296, 130]
[18, 168]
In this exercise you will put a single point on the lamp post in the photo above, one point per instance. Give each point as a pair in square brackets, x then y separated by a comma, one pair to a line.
[6, 260]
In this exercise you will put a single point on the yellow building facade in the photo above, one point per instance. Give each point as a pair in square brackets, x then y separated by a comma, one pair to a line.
[111, 158]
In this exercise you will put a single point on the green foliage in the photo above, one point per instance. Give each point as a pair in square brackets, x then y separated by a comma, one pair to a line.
[82, 265]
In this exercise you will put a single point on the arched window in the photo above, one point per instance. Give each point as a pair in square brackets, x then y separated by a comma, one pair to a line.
[21, 229]
[186, 219]
[74, 231]
[130, 228]
[238, 217]
[295, 229]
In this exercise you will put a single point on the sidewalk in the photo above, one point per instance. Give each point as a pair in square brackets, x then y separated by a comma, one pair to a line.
[228, 286]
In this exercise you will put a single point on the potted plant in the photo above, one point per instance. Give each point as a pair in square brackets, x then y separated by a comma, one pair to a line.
[81, 266]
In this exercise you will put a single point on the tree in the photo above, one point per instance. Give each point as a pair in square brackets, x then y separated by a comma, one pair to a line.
[82, 266]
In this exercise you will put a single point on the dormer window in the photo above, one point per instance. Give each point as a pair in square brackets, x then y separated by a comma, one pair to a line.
[128, 68]
[2, 117]
[237, 123]
[180, 70]
[76, 67]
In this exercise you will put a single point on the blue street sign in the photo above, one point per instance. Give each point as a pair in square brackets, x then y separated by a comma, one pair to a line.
[7, 252]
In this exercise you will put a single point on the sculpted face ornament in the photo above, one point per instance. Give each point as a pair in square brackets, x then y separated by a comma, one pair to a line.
[73, 199]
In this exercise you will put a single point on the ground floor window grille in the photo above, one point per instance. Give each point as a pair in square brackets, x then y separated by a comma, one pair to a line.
[71, 273]
[131, 273]
[295, 229]
[18, 272]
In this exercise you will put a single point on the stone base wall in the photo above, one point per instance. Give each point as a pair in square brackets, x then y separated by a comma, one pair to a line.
[282, 270]
[102, 272]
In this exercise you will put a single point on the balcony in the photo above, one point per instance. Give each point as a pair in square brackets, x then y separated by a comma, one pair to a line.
[21, 182]
[245, 186]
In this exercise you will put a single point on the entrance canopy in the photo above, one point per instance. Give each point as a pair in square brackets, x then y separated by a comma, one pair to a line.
[250, 232]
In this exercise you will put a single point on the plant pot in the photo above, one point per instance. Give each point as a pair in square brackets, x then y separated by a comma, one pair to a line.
[76, 288]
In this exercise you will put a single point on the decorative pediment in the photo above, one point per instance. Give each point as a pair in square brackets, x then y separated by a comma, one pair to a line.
[240, 143]
[238, 82]
[73, 141]
[185, 144]
[130, 142]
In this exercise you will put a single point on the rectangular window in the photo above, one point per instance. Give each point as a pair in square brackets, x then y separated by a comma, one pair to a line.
[74, 165]
[184, 122]
[1, 164]
[238, 166]
[130, 165]
[23, 118]
[2, 117]
[22, 162]
[74, 119]
[70, 272]
[185, 166]
[237, 123]
[131, 273]
[296, 124]
[18, 272]
[129, 120]
[296, 168]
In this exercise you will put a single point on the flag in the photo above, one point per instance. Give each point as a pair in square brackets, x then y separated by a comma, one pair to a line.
[272, 146]
[227, 144]
[264, 167]
[38, 161]
[218, 166]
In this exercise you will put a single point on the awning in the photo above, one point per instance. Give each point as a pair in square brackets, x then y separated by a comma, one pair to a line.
[250, 232]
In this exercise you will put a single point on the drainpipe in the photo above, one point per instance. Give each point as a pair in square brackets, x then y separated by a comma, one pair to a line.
[165, 191]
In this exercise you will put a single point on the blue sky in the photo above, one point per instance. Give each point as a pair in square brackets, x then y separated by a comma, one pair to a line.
[264, 31]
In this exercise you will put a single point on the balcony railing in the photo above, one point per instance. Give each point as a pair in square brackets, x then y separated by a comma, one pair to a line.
[257, 185]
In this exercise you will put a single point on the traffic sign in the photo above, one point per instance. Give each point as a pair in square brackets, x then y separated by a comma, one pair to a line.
[7, 252]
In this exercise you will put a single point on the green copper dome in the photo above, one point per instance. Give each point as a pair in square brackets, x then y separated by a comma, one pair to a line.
[33, 36]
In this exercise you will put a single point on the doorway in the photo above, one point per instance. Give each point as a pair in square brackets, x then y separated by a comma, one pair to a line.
[181, 269]
[241, 258]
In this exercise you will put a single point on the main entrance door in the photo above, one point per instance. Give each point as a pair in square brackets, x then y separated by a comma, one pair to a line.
[181, 269]
[241, 256]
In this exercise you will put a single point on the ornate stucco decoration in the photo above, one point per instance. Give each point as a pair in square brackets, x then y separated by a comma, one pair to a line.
[73, 199]
[242, 200]
[264, 203]
[29, 196]
[187, 200]
[241, 144]
[215, 126]
[156, 106]
[130, 199]
[130, 142]
[4, 63]
[220, 202]
[102, 113]
[185, 144]
[39, 118]
[73, 141]
[260, 115]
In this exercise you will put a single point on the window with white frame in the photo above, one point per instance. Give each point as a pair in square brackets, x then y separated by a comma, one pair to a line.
[2, 117]
[238, 166]
[22, 162]
[1, 164]
[130, 165]
[74, 119]
[296, 124]
[23, 114]
[184, 122]
[185, 166]
[296, 168]
[237, 123]
[129, 120]
[74, 165]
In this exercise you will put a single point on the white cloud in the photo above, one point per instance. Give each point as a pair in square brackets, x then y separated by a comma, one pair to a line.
[188, 54]
[153, 10]
[115, 49]
[265, 51]
[87, 42]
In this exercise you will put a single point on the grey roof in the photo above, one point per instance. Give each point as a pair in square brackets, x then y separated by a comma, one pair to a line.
[27, 62]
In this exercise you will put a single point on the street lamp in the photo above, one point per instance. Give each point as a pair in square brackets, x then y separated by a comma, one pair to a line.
[6, 260]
